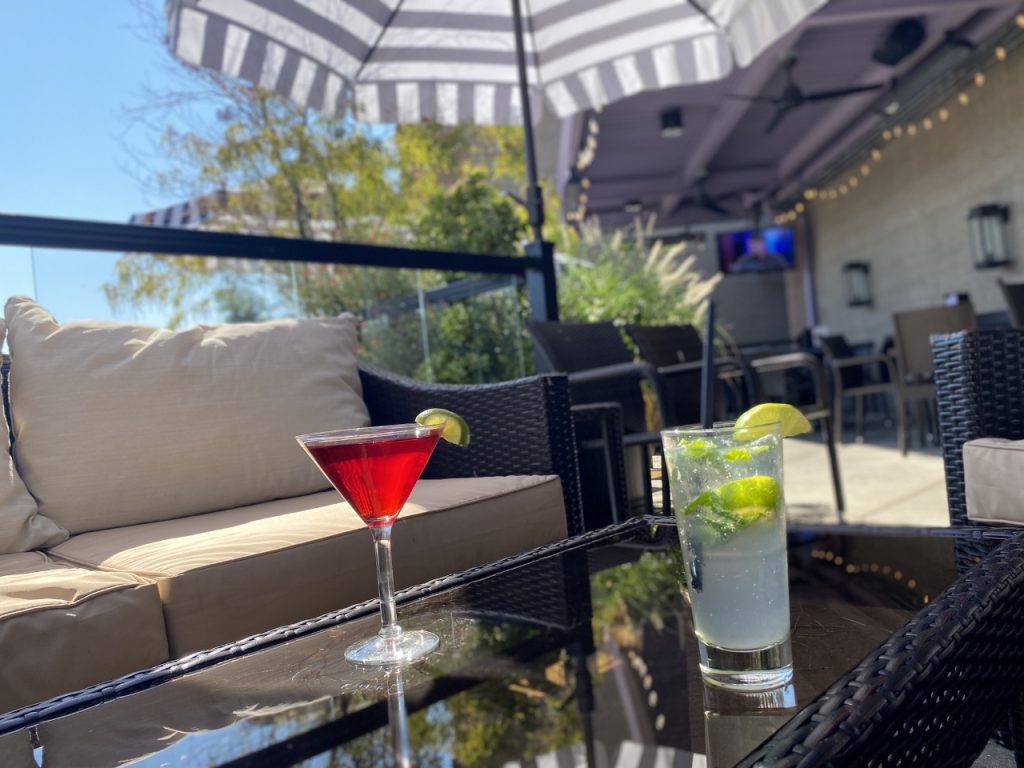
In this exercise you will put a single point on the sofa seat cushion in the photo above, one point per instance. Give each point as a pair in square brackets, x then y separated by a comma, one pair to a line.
[116, 424]
[64, 627]
[229, 574]
[993, 468]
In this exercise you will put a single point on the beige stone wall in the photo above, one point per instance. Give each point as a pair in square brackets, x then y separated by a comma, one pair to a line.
[908, 219]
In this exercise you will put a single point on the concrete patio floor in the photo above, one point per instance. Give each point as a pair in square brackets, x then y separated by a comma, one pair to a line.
[881, 486]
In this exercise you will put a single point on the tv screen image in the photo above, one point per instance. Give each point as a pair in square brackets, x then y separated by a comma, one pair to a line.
[756, 250]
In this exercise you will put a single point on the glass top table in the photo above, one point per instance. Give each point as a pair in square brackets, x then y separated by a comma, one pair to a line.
[580, 653]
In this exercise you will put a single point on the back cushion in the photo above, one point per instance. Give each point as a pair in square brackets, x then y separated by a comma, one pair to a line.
[21, 527]
[117, 424]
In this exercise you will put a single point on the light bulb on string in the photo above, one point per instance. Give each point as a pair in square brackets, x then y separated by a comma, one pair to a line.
[927, 124]
[843, 189]
[886, 135]
[865, 170]
[979, 79]
[897, 131]
[810, 194]
[585, 182]
[876, 154]
[943, 114]
[853, 182]
[1000, 53]
[799, 207]
[1020, 20]
[963, 98]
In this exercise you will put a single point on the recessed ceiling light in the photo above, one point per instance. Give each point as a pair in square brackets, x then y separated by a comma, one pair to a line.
[671, 123]
[891, 108]
[633, 206]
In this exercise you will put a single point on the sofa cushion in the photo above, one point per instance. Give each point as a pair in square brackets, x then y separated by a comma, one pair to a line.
[993, 468]
[120, 424]
[229, 574]
[64, 627]
[22, 528]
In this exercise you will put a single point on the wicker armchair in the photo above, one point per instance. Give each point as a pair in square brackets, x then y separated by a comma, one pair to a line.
[979, 377]
[521, 427]
[930, 695]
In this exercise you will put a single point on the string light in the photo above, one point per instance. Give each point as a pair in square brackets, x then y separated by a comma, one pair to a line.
[911, 129]
[1020, 20]
[799, 207]
[585, 182]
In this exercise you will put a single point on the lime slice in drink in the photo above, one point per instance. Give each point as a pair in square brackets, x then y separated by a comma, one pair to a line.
[759, 491]
[454, 430]
[757, 421]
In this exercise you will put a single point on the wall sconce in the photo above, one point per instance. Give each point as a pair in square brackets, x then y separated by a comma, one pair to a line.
[989, 246]
[857, 275]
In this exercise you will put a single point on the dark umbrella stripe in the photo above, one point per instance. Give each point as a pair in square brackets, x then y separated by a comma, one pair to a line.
[413, 61]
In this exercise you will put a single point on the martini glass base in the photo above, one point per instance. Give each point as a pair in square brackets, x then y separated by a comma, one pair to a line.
[380, 651]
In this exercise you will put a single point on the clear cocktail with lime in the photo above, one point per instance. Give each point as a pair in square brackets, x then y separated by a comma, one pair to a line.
[726, 485]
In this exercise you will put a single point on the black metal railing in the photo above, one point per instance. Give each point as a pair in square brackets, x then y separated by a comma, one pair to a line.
[535, 268]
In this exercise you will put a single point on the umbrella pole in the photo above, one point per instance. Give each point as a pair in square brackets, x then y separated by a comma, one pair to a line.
[534, 199]
[540, 281]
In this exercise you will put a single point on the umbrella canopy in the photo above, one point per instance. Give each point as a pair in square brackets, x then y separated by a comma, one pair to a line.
[455, 60]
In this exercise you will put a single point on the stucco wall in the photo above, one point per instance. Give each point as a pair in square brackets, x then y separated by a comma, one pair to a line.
[908, 219]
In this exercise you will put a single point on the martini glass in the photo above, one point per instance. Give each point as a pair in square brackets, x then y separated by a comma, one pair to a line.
[375, 469]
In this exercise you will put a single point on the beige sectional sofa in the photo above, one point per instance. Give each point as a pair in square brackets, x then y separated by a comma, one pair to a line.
[155, 502]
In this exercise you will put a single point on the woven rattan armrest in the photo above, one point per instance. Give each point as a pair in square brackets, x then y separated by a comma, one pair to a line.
[520, 427]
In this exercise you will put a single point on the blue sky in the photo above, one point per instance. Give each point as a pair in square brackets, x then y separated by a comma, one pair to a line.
[69, 68]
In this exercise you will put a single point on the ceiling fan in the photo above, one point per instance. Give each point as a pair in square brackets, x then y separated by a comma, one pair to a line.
[793, 96]
[702, 200]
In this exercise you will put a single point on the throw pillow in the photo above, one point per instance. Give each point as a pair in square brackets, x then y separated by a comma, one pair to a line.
[22, 528]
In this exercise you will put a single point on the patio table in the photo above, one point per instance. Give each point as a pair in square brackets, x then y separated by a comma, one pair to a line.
[579, 653]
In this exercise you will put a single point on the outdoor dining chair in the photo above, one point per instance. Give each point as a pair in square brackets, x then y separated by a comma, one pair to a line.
[859, 376]
[605, 381]
[914, 369]
[677, 351]
[660, 344]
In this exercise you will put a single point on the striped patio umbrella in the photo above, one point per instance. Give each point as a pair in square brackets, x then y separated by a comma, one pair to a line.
[474, 60]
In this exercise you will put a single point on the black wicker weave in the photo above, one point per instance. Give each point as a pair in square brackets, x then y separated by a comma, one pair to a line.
[933, 693]
[521, 427]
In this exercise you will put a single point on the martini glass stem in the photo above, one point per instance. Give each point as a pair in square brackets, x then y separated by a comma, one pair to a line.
[389, 628]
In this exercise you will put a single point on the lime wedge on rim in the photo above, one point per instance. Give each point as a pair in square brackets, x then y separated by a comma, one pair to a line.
[454, 429]
[790, 419]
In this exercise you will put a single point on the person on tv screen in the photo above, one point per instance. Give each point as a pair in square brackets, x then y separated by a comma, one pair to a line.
[758, 257]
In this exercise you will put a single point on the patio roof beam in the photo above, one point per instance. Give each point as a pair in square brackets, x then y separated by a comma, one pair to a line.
[875, 10]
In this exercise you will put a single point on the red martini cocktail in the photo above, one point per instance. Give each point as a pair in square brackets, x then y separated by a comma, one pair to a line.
[375, 469]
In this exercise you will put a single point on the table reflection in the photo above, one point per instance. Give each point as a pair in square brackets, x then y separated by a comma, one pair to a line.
[735, 722]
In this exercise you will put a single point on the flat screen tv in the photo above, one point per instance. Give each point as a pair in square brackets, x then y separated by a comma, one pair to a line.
[756, 250]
